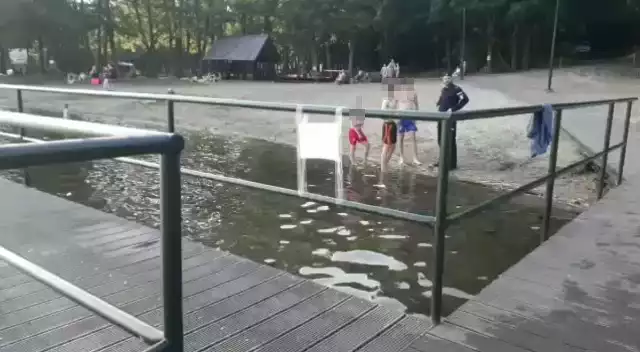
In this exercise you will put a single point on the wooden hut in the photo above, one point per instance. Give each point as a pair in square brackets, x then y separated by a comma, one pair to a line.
[247, 56]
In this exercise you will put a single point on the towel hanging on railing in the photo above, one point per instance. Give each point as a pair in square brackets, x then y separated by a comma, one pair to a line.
[540, 130]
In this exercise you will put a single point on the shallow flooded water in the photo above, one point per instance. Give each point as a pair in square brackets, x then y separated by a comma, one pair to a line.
[384, 260]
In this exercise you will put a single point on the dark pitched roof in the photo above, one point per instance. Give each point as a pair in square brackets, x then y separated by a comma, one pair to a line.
[239, 48]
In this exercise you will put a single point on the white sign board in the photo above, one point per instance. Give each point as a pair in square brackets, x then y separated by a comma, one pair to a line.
[18, 56]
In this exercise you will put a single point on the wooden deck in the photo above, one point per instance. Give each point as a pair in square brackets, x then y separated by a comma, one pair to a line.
[576, 293]
[580, 291]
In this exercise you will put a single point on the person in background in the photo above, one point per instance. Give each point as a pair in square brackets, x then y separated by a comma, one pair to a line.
[393, 69]
[452, 98]
[408, 100]
[95, 75]
[384, 73]
[106, 79]
[356, 134]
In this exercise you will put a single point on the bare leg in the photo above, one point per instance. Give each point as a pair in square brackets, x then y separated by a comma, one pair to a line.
[384, 160]
[351, 174]
[352, 154]
[401, 148]
[415, 149]
[367, 147]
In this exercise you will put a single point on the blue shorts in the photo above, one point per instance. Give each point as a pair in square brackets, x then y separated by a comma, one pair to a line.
[407, 126]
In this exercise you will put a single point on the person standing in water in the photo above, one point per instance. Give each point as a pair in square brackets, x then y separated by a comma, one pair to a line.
[452, 98]
[389, 131]
[356, 134]
[408, 100]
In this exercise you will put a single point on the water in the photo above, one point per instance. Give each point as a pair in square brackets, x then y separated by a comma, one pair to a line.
[384, 260]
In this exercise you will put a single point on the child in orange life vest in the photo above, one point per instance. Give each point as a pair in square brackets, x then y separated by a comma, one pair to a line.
[356, 134]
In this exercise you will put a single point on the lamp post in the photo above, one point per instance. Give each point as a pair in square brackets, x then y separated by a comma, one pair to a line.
[553, 47]
[463, 43]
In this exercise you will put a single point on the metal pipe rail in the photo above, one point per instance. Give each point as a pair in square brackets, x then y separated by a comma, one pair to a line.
[392, 213]
[442, 219]
[111, 142]
[249, 104]
[464, 115]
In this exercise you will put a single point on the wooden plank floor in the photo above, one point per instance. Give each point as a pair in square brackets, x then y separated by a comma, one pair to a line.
[230, 303]
[578, 292]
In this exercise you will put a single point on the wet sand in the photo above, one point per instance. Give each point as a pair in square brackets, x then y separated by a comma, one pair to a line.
[492, 152]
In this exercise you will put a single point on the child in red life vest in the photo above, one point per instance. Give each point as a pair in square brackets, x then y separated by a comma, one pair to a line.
[356, 134]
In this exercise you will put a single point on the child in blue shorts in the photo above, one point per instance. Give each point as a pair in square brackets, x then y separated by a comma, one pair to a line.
[408, 101]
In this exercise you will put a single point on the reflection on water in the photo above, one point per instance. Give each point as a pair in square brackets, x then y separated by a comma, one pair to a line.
[384, 260]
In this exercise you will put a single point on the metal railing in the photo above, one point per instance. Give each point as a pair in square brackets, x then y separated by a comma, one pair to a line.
[109, 142]
[442, 219]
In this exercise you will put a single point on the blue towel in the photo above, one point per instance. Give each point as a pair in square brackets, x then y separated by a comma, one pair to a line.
[541, 131]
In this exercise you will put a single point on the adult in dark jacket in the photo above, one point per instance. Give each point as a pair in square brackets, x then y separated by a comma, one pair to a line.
[452, 98]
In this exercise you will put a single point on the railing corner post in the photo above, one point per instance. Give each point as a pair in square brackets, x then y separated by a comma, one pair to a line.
[26, 179]
[171, 125]
[625, 138]
[551, 174]
[605, 156]
[441, 220]
[171, 219]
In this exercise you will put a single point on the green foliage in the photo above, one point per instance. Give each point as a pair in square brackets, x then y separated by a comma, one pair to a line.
[174, 33]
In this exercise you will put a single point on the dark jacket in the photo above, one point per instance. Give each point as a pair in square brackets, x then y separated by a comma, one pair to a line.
[452, 98]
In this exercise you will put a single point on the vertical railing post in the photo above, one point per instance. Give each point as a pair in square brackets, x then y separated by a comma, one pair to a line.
[171, 217]
[20, 101]
[625, 138]
[25, 172]
[553, 161]
[441, 220]
[605, 156]
[171, 126]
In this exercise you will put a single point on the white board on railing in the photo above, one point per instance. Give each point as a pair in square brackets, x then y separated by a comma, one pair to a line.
[319, 140]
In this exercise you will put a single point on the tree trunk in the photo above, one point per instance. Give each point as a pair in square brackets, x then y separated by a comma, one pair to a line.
[243, 23]
[85, 37]
[110, 30]
[285, 59]
[490, 42]
[268, 24]
[436, 54]
[327, 53]
[384, 47]
[526, 51]
[314, 54]
[187, 44]
[105, 45]
[448, 54]
[514, 48]
[42, 60]
[352, 48]
[98, 44]
[179, 48]
[3, 59]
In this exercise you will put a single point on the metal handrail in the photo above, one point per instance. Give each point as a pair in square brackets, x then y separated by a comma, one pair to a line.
[85, 299]
[249, 104]
[463, 115]
[114, 142]
[392, 213]
[442, 219]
